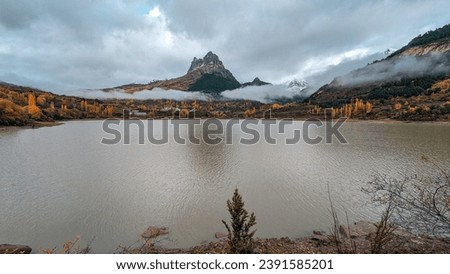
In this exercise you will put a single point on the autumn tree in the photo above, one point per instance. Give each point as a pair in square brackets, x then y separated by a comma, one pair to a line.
[195, 105]
[84, 105]
[96, 108]
[64, 106]
[240, 239]
[33, 110]
[184, 113]
[31, 100]
[397, 106]
[250, 112]
[41, 100]
[109, 110]
[316, 110]
[334, 113]
[348, 110]
[369, 107]
[275, 106]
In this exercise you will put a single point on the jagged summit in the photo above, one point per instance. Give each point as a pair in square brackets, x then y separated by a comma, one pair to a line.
[211, 64]
[210, 60]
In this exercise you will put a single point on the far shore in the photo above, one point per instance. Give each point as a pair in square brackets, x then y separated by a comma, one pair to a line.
[34, 125]
[350, 120]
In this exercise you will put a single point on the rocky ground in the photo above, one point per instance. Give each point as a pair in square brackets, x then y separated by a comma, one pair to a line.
[14, 249]
[356, 238]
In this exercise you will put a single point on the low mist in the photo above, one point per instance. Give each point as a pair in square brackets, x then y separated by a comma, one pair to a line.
[263, 94]
[154, 94]
[397, 68]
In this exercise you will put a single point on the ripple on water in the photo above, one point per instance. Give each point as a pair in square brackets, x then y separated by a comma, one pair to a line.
[60, 182]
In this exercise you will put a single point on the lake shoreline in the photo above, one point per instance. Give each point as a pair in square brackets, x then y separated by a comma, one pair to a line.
[351, 120]
[356, 238]
[32, 126]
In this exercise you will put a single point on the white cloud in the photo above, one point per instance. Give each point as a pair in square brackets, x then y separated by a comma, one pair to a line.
[265, 94]
[150, 50]
[320, 64]
[155, 12]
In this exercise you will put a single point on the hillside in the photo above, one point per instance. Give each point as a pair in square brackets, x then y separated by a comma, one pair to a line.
[432, 41]
[21, 106]
[410, 84]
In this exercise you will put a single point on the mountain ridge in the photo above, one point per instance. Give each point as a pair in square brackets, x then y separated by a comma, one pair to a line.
[255, 82]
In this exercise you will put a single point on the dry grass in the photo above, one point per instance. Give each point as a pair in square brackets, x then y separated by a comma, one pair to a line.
[70, 247]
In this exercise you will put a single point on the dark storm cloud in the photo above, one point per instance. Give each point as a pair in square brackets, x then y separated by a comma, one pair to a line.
[15, 14]
[68, 45]
[275, 38]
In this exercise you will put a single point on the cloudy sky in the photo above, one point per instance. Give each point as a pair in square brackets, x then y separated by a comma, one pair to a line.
[63, 46]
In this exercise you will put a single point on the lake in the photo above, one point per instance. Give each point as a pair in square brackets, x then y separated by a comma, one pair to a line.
[60, 182]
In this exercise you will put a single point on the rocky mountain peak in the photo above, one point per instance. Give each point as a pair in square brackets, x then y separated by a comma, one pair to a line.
[211, 57]
[208, 64]
[211, 64]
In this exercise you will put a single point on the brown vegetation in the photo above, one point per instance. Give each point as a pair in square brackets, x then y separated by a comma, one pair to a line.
[441, 86]
[70, 247]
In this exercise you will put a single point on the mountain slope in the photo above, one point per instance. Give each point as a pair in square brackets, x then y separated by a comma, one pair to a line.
[21, 106]
[437, 40]
[411, 71]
